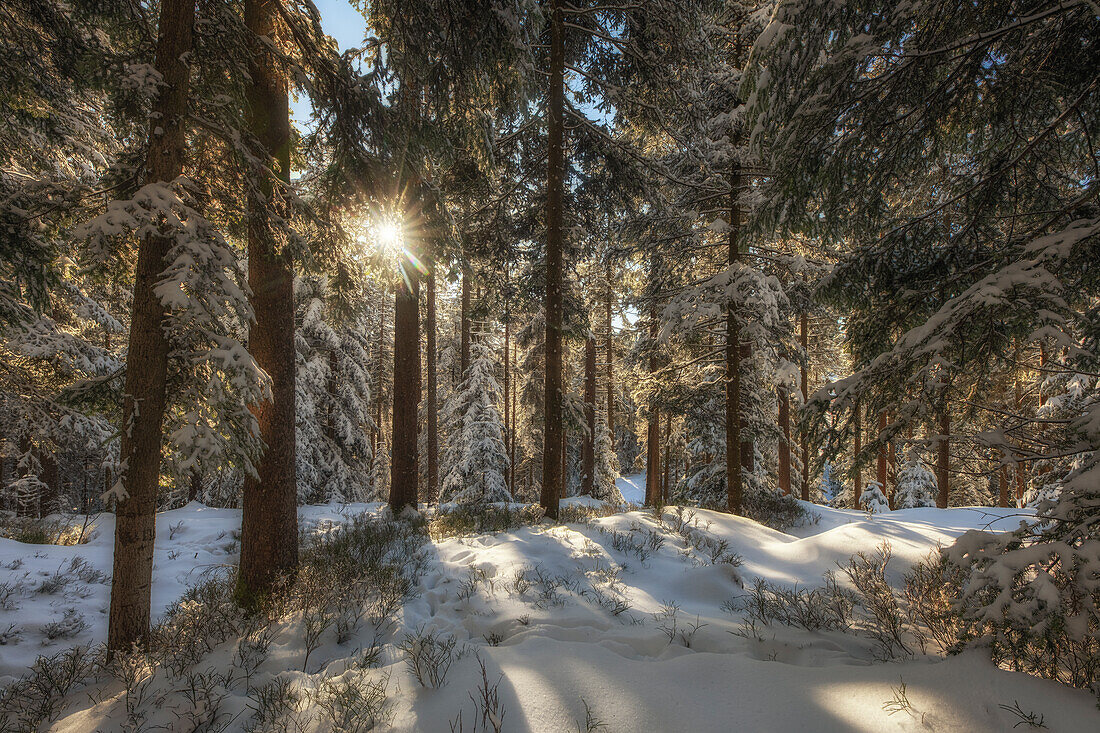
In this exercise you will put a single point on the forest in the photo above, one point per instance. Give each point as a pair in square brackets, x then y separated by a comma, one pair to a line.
[540, 365]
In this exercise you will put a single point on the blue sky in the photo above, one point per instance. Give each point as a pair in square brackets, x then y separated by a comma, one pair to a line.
[344, 23]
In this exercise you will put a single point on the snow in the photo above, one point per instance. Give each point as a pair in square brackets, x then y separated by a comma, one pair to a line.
[535, 603]
[632, 488]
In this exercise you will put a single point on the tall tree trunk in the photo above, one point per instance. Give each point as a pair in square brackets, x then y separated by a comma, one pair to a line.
[859, 447]
[804, 334]
[1002, 475]
[49, 499]
[880, 475]
[147, 355]
[464, 324]
[194, 488]
[404, 472]
[380, 371]
[653, 426]
[507, 397]
[555, 185]
[1020, 469]
[668, 454]
[733, 357]
[512, 447]
[610, 352]
[943, 457]
[588, 460]
[564, 462]
[433, 393]
[269, 521]
[784, 441]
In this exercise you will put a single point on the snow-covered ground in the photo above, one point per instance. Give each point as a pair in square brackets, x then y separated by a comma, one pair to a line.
[570, 615]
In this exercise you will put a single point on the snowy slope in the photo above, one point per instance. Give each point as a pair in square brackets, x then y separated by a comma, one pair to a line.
[569, 615]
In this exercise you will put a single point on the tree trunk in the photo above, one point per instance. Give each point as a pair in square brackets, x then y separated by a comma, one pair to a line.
[147, 355]
[269, 521]
[610, 351]
[555, 185]
[1020, 470]
[653, 426]
[512, 447]
[943, 458]
[803, 437]
[733, 357]
[666, 462]
[784, 441]
[880, 475]
[859, 447]
[194, 488]
[588, 462]
[464, 321]
[1002, 474]
[404, 471]
[507, 397]
[433, 394]
[380, 371]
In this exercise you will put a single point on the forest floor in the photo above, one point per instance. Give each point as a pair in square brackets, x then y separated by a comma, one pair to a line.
[624, 621]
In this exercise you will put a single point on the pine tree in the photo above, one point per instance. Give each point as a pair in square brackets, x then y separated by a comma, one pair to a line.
[916, 485]
[476, 456]
[872, 499]
[269, 523]
[147, 356]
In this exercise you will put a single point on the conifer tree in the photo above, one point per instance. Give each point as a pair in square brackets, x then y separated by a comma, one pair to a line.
[476, 457]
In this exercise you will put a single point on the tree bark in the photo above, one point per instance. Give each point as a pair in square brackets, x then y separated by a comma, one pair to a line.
[668, 454]
[1002, 473]
[733, 358]
[610, 351]
[269, 521]
[555, 185]
[194, 488]
[859, 447]
[1019, 469]
[880, 475]
[803, 438]
[404, 472]
[380, 371]
[943, 458]
[588, 460]
[785, 441]
[653, 425]
[464, 321]
[432, 397]
[147, 356]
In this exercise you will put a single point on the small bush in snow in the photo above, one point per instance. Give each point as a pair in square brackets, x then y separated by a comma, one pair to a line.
[428, 656]
[696, 536]
[30, 702]
[71, 624]
[827, 608]
[353, 703]
[275, 707]
[883, 621]
[779, 511]
[472, 519]
[46, 530]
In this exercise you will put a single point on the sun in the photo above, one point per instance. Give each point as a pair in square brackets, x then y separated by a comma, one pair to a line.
[387, 234]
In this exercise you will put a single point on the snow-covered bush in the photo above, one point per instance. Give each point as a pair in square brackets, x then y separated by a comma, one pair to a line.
[476, 459]
[873, 500]
[607, 465]
[916, 485]
[1034, 594]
